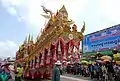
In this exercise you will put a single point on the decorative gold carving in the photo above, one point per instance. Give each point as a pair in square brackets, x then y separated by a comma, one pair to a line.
[74, 28]
[71, 36]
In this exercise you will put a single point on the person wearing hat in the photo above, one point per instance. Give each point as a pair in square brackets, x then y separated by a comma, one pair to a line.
[56, 72]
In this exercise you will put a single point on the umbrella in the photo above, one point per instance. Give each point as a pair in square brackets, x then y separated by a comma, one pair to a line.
[93, 62]
[117, 62]
[106, 58]
[83, 58]
[99, 61]
[84, 62]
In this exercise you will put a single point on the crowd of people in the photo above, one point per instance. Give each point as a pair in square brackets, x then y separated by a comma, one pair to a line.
[103, 71]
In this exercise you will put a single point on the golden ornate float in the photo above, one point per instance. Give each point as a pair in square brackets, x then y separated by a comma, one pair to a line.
[56, 42]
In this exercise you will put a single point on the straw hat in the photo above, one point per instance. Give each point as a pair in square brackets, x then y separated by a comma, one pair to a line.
[58, 63]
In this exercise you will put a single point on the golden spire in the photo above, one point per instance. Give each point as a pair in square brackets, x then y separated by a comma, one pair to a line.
[57, 13]
[25, 41]
[32, 38]
[19, 47]
[29, 38]
[63, 9]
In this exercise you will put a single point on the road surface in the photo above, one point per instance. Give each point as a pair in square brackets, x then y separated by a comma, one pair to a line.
[66, 78]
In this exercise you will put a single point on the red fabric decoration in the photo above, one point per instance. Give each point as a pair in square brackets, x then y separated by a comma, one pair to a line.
[37, 63]
[33, 64]
[55, 55]
[64, 55]
[48, 57]
[42, 60]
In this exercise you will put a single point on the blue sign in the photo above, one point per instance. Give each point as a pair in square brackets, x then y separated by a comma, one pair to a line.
[102, 40]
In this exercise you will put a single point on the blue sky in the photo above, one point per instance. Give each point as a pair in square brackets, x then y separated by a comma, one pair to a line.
[11, 28]
[18, 18]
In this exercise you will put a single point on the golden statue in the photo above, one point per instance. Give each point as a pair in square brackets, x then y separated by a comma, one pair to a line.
[48, 16]
[83, 28]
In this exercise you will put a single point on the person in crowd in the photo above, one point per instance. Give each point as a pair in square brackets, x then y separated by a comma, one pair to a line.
[19, 73]
[74, 69]
[56, 72]
[7, 70]
[69, 68]
[86, 74]
[117, 74]
[64, 68]
[97, 69]
[110, 70]
[91, 70]
[79, 69]
[61, 67]
[82, 69]
[1, 68]
[104, 72]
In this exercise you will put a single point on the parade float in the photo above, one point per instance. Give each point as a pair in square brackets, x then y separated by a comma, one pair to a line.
[57, 41]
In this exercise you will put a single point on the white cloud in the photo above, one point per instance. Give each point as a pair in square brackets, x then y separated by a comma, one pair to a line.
[12, 11]
[111, 10]
[31, 10]
[7, 48]
[98, 14]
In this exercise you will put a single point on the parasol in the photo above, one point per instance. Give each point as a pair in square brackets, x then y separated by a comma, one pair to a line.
[106, 58]
[93, 62]
[118, 62]
[99, 61]
[84, 62]
[115, 55]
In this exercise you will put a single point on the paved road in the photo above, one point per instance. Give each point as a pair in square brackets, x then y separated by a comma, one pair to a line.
[66, 78]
